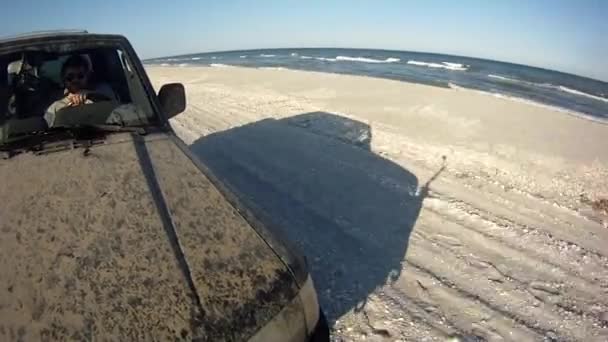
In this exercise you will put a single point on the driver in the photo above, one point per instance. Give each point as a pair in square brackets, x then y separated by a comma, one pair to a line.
[75, 74]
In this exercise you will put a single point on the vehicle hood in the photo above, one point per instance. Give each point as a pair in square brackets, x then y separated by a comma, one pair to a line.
[129, 240]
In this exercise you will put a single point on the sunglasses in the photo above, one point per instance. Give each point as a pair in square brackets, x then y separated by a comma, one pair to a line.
[74, 76]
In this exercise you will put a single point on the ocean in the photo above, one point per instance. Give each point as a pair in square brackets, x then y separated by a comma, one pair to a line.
[565, 92]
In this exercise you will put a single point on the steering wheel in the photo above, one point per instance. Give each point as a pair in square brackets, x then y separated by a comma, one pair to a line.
[97, 97]
[89, 114]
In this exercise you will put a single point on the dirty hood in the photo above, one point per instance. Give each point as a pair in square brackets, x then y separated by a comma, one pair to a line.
[86, 249]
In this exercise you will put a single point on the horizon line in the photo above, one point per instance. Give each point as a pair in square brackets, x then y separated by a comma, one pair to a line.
[378, 49]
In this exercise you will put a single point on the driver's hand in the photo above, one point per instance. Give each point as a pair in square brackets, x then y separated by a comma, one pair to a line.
[76, 99]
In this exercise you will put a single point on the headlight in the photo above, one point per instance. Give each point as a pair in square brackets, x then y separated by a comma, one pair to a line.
[296, 321]
[308, 296]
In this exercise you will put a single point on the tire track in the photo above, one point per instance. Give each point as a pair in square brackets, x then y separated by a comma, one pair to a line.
[580, 262]
[487, 247]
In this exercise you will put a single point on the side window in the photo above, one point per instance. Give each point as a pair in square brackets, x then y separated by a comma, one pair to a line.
[5, 84]
[138, 94]
[13, 67]
[123, 60]
[52, 69]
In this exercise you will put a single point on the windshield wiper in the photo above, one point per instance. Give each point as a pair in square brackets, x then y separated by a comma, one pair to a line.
[59, 138]
[85, 129]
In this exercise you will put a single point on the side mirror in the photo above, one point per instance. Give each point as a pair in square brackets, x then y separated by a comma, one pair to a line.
[172, 99]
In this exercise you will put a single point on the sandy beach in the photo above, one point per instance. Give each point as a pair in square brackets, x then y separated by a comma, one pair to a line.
[424, 212]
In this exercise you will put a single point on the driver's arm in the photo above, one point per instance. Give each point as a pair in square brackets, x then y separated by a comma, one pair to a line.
[49, 115]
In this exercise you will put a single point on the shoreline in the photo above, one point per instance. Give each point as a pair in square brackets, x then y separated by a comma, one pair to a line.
[580, 115]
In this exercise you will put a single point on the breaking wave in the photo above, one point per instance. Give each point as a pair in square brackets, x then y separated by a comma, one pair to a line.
[532, 103]
[550, 86]
[272, 68]
[442, 65]
[218, 65]
[267, 56]
[515, 80]
[244, 56]
[367, 60]
[581, 93]
[325, 59]
[498, 77]
[454, 65]
[195, 58]
[353, 59]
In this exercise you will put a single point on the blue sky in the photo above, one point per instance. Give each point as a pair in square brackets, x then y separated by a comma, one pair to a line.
[570, 36]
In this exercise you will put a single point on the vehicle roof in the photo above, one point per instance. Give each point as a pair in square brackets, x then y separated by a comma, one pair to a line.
[11, 43]
[41, 34]
[54, 34]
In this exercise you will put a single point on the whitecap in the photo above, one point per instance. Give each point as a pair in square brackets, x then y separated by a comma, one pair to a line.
[306, 57]
[165, 64]
[498, 77]
[293, 54]
[195, 58]
[244, 56]
[454, 65]
[272, 68]
[267, 56]
[218, 65]
[182, 65]
[580, 93]
[326, 59]
[367, 60]
[461, 67]
[551, 86]
[515, 80]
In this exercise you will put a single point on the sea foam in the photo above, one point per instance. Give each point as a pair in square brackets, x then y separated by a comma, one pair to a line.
[551, 86]
[581, 93]
[498, 77]
[353, 59]
[442, 65]
[326, 59]
[533, 103]
[367, 60]
[272, 68]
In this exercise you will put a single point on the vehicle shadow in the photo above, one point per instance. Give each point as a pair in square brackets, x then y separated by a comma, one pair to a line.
[350, 211]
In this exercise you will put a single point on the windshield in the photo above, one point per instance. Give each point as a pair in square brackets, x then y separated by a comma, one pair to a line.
[43, 89]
